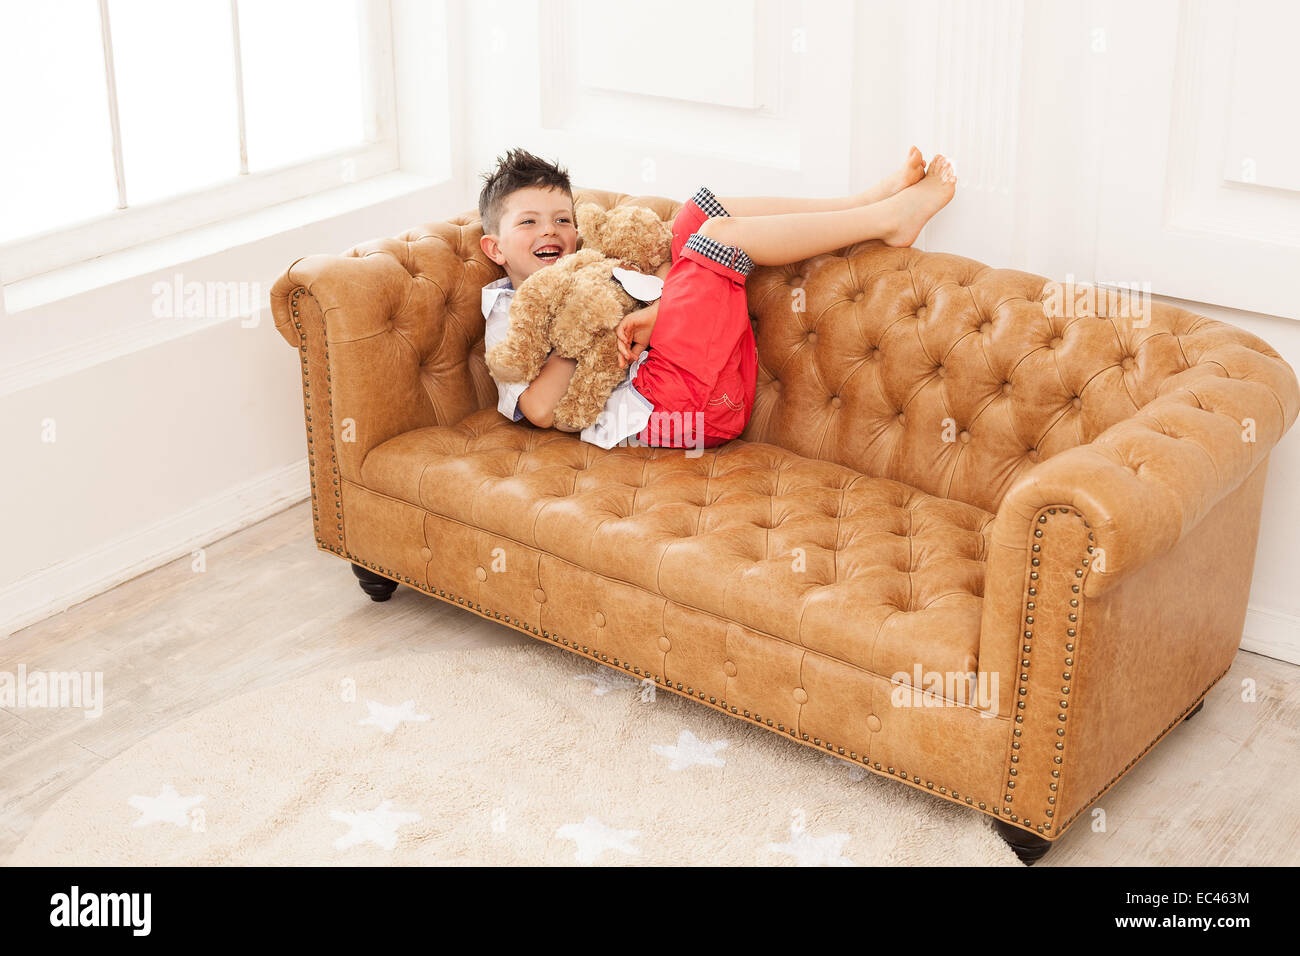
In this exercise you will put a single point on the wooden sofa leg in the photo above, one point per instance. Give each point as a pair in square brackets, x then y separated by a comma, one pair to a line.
[1028, 846]
[377, 586]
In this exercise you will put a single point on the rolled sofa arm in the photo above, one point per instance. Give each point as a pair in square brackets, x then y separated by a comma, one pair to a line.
[383, 349]
[1118, 572]
[1138, 488]
[1146, 481]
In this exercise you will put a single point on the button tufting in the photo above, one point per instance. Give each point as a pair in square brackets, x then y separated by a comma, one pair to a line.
[729, 668]
[940, 371]
[1006, 388]
[1055, 343]
[858, 297]
[964, 437]
[480, 574]
[800, 695]
[665, 645]
[986, 327]
[812, 336]
[426, 554]
[835, 400]
[873, 723]
[1127, 363]
[539, 596]
[1077, 402]
[600, 618]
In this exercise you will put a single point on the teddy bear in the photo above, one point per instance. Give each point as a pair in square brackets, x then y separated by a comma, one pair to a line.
[575, 305]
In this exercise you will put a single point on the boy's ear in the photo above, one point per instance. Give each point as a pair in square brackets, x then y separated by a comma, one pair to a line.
[491, 249]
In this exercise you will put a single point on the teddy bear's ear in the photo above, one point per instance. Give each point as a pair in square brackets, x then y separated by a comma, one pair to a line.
[593, 223]
[589, 216]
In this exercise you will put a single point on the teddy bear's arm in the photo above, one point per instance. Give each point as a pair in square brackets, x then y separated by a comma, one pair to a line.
[519, 356]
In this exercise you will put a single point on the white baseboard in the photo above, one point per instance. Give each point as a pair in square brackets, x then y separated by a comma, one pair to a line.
[51, 590]
[1274, 634]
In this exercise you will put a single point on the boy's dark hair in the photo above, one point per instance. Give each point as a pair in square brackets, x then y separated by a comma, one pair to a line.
[518, 169]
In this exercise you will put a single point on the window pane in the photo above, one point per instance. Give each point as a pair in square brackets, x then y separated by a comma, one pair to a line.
[175, 70]
[302, 78]
[56, 146]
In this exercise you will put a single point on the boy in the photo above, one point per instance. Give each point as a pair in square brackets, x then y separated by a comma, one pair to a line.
[693, 375]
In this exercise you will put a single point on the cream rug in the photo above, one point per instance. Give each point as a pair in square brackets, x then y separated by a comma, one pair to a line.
[502, 756]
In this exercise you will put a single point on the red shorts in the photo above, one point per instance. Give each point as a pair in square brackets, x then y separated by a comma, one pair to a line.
[701, 370]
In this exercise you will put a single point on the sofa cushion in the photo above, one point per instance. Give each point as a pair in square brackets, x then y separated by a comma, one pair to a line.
[866, 570]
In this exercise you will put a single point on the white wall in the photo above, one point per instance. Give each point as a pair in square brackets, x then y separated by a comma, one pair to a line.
[1091, 138]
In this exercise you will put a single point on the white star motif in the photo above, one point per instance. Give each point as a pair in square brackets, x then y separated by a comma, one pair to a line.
[606, 680]
[594, 838]
[377, 826]
[387, 718]
[856, 773]
[814, 851]
[168, 807]
[690, 750]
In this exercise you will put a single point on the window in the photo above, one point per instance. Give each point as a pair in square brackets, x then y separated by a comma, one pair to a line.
[124, 121]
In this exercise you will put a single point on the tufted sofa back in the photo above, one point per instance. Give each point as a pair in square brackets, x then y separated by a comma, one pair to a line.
[957, 378]
[927, 368]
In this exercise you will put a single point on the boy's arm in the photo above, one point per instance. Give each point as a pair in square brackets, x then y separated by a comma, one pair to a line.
[539, 399]
[537, 402]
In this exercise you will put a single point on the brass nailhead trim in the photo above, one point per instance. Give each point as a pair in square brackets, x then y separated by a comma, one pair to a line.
[1031, 605]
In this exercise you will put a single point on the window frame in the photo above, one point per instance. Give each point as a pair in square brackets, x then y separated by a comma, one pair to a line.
[241, 194]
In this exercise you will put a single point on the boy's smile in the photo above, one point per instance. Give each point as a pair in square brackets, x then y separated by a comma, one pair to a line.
[537, 227]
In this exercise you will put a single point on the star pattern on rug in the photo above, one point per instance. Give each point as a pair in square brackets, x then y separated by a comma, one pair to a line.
[593, 838]
[377, 826]
[168, 807]
[387, 718]
[690, 750]
[813, 851]
[606, 680]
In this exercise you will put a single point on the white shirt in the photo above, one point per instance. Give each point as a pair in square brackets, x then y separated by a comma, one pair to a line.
[626, 411]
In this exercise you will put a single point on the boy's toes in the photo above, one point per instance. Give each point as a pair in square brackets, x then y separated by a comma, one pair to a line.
[913, 169]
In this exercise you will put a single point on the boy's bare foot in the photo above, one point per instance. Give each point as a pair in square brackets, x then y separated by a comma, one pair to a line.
[915, 205]
[913, 168]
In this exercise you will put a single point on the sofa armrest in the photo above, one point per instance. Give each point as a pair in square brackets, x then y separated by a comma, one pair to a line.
[381, 353]
[1076, 526]
[1143, 483]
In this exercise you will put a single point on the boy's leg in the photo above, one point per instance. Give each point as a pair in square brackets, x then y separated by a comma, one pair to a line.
[781, 239]
[913, 168]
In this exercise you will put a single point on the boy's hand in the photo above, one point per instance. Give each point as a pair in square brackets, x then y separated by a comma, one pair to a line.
[634, 333]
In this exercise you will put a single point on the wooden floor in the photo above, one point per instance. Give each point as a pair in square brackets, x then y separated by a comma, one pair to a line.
[1221, 789]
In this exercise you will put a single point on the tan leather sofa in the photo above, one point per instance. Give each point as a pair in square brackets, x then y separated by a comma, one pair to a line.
[952, 471]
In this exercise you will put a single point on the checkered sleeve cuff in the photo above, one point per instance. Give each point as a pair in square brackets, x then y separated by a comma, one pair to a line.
[732, 257]
[705, 199]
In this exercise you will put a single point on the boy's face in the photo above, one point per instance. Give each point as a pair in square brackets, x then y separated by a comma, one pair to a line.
[535, 220]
